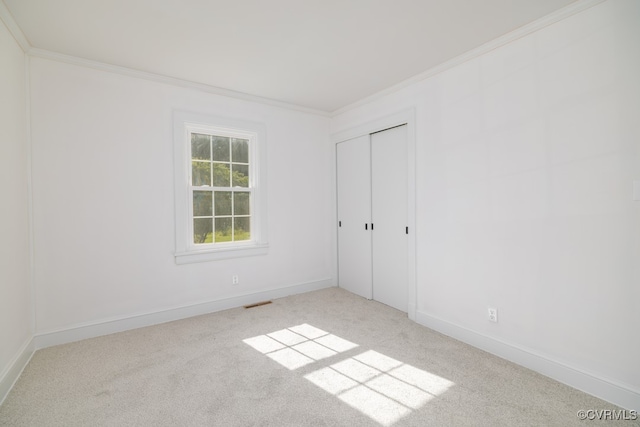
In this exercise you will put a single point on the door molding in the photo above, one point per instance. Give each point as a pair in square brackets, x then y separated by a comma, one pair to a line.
[404, 117]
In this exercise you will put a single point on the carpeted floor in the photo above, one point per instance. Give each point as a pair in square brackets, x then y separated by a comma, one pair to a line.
[325, 358]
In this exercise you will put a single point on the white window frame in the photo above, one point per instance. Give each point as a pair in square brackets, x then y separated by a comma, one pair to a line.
[185, 123]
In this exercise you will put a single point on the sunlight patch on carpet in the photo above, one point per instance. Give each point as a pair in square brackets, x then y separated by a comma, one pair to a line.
[379, 386]
[383, 388]
[299, 345]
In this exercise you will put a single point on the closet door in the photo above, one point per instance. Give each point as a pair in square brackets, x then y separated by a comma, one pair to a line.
[389, 216]
[354, 214]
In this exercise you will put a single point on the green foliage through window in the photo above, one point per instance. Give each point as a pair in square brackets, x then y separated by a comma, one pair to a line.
[221, 195]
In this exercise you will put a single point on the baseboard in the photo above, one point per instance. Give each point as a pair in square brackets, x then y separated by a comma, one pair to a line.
[411, 313]
[612, 391]
[12, 372]
[110, 326]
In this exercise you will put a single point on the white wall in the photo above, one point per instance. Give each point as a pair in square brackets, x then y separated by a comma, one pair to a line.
[525, 161]
[15, 302]
[104, 202]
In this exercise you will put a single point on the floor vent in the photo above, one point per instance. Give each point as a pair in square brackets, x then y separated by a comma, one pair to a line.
[258, 304]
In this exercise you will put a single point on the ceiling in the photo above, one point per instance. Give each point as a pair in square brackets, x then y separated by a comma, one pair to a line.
[317, 54]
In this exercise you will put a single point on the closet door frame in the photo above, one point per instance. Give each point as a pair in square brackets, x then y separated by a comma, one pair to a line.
[405, 117]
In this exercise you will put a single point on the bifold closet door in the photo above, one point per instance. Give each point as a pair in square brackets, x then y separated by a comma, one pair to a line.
[389, 216]
[354, 215]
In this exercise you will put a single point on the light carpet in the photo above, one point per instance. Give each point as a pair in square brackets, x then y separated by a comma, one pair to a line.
[324, 358]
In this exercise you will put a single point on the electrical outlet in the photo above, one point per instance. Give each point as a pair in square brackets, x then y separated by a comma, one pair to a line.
[492, 314]
[234, 279]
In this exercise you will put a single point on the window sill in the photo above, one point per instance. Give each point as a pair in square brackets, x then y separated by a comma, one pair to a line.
[214, 254]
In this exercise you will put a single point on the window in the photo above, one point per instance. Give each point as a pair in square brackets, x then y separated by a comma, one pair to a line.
[220, 188]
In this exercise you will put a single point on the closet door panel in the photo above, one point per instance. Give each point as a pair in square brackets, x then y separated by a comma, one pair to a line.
[354, 211]
[389, 216]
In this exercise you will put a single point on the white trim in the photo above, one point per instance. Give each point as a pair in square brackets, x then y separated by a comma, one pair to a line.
[523, 31]
[14, 28]
[16, 365]
[532, 27]
[31, 235]
[159, 78]
[185, 251]
[408, 117]
[119, 324]
[623, 395]
[220, 253]
[14, 369]
[381, 123]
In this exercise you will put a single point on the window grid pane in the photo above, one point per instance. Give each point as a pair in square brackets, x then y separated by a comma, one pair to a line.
[241, 203]
[242, 228]
[202, 204]
[200, 146]
[220, 148]
[223, 203]
[239, 150]
[200, 173]
[202, 230]
[239, 175]
[224, 231]
[221, 174]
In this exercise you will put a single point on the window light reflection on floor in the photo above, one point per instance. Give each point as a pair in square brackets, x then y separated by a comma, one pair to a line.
[299, 345]
[383, 388]
[379, 386]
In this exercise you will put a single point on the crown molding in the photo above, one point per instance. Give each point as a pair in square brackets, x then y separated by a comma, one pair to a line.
[525, 30]
[159, 78]
[552, 18]
[14, 29]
